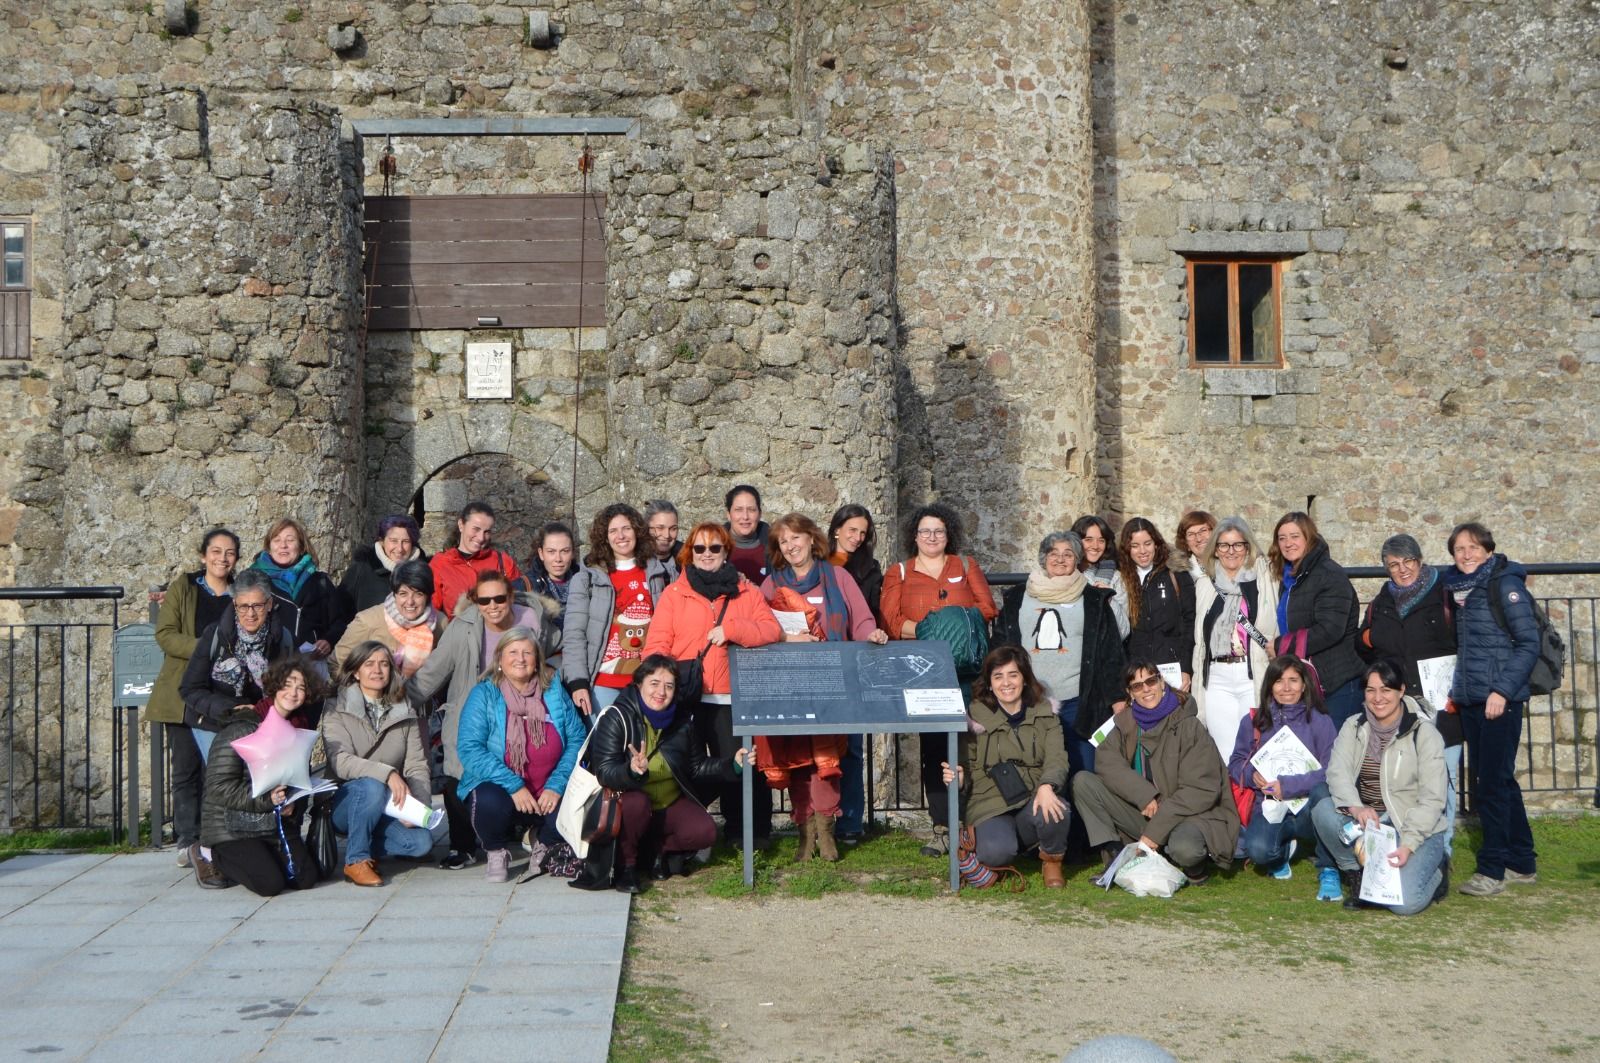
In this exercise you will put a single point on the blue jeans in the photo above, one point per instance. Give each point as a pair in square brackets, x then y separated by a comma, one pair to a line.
[1267, 844]
[1420, 876]
[852, 787]
[358, 812]
[1452, 767]
[1080, 753]
[1507, 838]
[202, 741]
[1344, 702]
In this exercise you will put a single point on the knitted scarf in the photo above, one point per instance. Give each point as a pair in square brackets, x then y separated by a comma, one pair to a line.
[660, 719]
[1228, 636]
[836, 612]
[1056, 590]
[288, 580]
[248, 659]
[1378, 738]
[713, 585]
[389, 564]
[756, 538]
[1148, 718]
[525, 716]
[1460, 584]
[413, 638]
[1406, 598]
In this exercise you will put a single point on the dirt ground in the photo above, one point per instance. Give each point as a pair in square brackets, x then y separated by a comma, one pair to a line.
[885, 980]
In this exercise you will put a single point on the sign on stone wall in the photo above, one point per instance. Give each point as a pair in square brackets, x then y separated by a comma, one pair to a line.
[488, 370]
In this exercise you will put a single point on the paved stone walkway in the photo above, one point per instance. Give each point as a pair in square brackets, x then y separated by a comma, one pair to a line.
[124, 958]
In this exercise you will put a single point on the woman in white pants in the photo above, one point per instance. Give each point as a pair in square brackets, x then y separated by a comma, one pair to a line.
[1235, 621]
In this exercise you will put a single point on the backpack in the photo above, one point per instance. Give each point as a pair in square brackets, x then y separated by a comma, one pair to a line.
[1546, 675]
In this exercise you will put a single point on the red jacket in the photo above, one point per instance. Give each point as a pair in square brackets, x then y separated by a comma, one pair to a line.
[454, 574]
[683, 619]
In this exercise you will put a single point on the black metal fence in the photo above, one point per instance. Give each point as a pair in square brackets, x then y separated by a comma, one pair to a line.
[65, 743]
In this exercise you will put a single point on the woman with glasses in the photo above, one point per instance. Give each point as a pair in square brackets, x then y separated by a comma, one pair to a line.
[1387, 766]
[1194, 531]
[1410, 620]
[610, 604]
[225, 673]
[455, 666]
[1157, 780]
[1236, 619]
[933, 576]
[708, 608]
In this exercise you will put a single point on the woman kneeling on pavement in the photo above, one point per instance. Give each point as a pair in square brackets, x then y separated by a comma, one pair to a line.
[1388, 767]
[1013, 767]
[1157, 778]
[374, 746]
[256, 841]
[518, 740]
[644, 745]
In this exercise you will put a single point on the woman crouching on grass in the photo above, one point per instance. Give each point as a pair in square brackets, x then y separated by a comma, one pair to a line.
[256, 841]
[644, 746]
[1013, 770]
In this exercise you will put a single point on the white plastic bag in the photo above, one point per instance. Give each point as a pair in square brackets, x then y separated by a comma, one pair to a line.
[1148, 874]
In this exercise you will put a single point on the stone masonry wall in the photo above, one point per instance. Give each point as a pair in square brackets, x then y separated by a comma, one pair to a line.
[750, 306]
[1427, 169]
[209, 372]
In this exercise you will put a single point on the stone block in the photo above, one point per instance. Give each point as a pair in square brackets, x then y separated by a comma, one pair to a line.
[736, 448]
[782, 349]
[1299, 382]
[1325, 327]
[762, 264]
[1222, 410]
[1273, 410]
[1240, 243]
[1328, 241]
[1148, 249]
[341, 38]
[1250, 382]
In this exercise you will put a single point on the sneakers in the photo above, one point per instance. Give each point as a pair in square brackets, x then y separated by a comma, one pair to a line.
[455, 860]
[363, 873]
[1284, 874]
[205, 873]
[940, 845]
[1328, 885]
[1517, 878]
[1484, 886]
[183, 857]
[498, 867]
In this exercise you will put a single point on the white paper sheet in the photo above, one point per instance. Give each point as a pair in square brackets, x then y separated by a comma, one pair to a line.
[1103, 732]
[792, 623]
[1437, 673]
[413, 812]
[1283, 754]
[1380, 880]
[939, 702]
[1172, 672]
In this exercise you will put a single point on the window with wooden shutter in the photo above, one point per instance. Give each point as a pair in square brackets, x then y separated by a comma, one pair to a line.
[16, 288]
[1235, 312]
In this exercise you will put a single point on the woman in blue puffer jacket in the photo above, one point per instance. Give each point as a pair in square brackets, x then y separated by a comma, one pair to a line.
[1490, 692]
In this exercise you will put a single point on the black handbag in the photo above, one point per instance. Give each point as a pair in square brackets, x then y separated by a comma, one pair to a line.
[691, 673]
[1013, 790]
[320, 838]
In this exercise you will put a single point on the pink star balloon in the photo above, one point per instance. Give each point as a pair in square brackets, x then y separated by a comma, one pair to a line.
[277, 754]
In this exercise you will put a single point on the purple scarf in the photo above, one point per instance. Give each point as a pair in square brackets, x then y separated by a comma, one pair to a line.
[1148, 718]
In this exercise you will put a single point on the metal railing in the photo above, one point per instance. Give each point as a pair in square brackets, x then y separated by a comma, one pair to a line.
[64, 738]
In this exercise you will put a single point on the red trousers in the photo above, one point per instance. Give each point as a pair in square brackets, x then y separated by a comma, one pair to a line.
[812, 795]
[681, 827]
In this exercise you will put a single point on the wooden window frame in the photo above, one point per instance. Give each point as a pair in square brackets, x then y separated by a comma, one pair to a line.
[1233, 262]
[16, 300]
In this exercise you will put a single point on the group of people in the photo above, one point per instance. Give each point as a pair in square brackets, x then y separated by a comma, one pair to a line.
[1130, 683]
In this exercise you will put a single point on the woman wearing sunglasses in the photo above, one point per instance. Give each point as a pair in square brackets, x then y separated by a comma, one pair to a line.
[455, 665]
[1158, 779]
[707, 608]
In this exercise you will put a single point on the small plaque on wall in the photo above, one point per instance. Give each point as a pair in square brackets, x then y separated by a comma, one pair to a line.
[488, 370]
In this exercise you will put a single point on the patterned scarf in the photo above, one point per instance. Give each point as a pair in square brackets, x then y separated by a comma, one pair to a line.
[413, 638]
[249, 658]
[1406, 598]
[1228, 636]
[1378, 738]
[1148, 718]
[288, 580]
[836, 612]
[1461, 584]
[525, 718]
[1056, 590]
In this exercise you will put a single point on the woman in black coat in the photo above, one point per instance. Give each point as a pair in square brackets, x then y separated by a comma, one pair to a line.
[1318, 615]
[367, 581]
[1160, 601]
[644, 746]
[310, 607]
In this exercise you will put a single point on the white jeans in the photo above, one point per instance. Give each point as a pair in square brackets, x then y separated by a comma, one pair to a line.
[1229, 698]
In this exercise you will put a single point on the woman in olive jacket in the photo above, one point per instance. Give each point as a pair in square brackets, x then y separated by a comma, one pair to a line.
[644, 745]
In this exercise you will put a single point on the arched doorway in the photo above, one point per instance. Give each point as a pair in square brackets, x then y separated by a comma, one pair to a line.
[523, 496]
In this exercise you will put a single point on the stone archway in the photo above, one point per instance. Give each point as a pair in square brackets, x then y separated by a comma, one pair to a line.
[519, 463]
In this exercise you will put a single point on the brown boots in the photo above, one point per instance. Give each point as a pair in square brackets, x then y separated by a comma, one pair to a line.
[816, 837]
[1050, 865]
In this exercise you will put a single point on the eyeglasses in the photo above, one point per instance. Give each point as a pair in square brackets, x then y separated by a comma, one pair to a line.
[1405, 562]
[708, 548]
[664, 529]
[494, 599]
[1231, 548]
[246, 607]
[931, 533]
[1145, 684]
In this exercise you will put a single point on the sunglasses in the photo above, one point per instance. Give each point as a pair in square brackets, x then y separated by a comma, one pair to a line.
[708, 548]
[1145, 684]
[494, 599]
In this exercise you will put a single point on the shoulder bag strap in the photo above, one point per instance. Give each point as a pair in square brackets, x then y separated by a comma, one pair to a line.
[726, 601]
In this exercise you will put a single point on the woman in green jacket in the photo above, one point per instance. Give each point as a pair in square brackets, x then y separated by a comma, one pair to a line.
[1014, 767]
[193, 602]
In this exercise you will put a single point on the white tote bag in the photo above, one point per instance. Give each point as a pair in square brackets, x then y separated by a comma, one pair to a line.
[582, 787]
